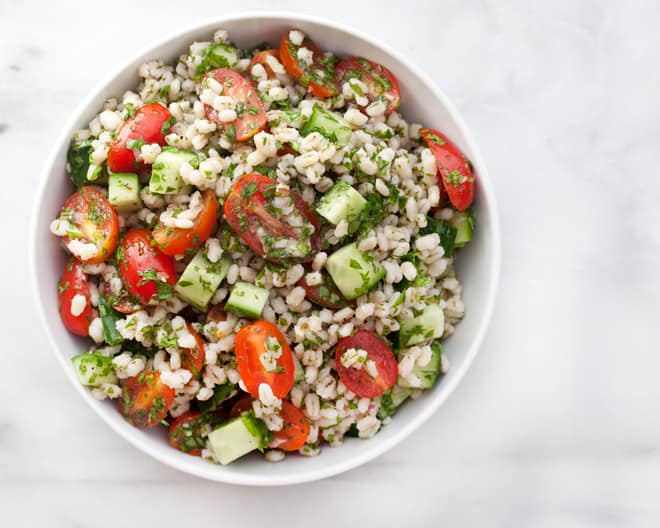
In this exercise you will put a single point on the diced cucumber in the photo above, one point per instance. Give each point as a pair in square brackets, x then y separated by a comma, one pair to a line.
[391, 399]
[238, 437]
[78, 158]
[93, 370]
[464, 224]
[430, 324]
[109, 318]
[247, 299]
[354, 272]
[329, 125]
[428, 374]
[124, 192]
[220, 393]
[445, 230]
[165, 178]
[217, 56]
[341, 202]
[200, 279]
[299, 371]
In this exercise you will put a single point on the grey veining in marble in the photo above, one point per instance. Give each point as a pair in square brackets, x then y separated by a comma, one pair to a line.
[556, 425]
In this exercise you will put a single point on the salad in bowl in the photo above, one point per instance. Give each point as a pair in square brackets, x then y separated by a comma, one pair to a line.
[261, 249]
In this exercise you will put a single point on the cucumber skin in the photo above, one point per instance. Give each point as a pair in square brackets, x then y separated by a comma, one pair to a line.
[78, 157]
[464, 223]
[428, 374]
[445, 231]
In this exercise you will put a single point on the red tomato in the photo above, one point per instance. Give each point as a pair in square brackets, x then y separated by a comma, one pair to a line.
[175, 241]
[123, 302]
[260, 58]
[295, 431]
[454, 168]
[185, 433]
[325, 294]
[193, 358]
[380, 82]
[146, 272]
[250, 344]
[145, 399]
[359, 381]
[242, 405]
[246, 210]
[74, 282]
[149, 125]
[318, 77]
[251, 116]
[286, 149]
[94, 219]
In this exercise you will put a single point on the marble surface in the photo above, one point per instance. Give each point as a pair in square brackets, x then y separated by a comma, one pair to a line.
[557, 422]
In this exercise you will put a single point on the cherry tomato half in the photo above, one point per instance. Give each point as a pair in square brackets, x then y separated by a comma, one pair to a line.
[150, 124]
[319, 76]
[380, 82]
[193, 358]
[261, 57]
[74, 282]
[147, 273]
[251, 116]
[247, 209]
[454, 168]
[250, 344]
[358, 380]
[185, 433]
[93, 220]
[145, 399]
[241, 405]
[295, 431]
[325, 294]
[123, 302]
[175, 241]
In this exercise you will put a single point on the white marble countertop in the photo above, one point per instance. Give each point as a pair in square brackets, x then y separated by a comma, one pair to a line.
[556, 424]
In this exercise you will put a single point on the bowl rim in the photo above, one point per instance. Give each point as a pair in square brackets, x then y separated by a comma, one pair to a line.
[211, 473]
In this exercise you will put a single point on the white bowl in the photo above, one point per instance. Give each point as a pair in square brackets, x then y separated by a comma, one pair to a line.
[478, 264]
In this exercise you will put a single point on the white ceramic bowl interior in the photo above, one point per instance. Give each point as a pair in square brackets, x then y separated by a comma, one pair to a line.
[478, 264]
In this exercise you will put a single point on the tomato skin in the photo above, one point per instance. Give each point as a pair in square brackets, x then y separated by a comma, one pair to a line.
[175, 241]
[148, 124]
[193, 358]
[359, 381]
[89, 210]
[242, 405]
[300, 71]
[260, 58]
[74, 282]
[380, 81]
[295, 431]
[248, 123]
[245, 215]
[184, 433]
[454, 168]
[137, 255]
[250, 343]
[122, 303]
[325, 294]
[145, 399]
